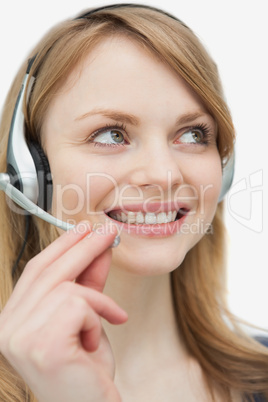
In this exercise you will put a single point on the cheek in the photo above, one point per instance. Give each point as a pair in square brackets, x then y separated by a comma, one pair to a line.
[210, 187]
[203, 178]
[79, 194]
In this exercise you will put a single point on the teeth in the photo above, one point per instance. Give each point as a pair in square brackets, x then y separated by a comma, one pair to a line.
[139, 218]
[123, 217]
[148, 218]
[162, 217]
[131, 217]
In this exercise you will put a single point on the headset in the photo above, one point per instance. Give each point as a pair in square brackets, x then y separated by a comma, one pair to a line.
[28, 180]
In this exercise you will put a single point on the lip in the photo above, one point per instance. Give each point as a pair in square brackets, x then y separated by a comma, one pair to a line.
[154, 230]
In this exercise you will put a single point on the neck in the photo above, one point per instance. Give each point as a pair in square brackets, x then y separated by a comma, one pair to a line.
[151, 325]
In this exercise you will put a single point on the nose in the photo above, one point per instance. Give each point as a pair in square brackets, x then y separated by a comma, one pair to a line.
[156, 165]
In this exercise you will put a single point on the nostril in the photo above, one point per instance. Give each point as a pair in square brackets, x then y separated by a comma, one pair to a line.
[149, 186]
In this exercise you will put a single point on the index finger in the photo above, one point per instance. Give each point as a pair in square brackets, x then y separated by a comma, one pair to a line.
[51, 253]
[64, 260]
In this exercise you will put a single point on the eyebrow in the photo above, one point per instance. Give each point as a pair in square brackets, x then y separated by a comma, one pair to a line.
[112, 114]
[133, 120]
[190, 117]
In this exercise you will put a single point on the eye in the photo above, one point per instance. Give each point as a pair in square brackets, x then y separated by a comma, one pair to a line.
[109, 136]
[195, 135]
[192, 136]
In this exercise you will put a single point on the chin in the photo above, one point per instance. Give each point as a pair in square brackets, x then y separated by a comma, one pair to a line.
[148, 259]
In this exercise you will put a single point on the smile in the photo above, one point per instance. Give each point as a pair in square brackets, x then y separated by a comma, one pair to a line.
[147, 218]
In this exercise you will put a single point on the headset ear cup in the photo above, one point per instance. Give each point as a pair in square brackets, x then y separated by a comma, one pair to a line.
[43, 175]
[227, 176]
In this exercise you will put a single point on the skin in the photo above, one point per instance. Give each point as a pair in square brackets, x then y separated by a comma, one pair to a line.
[158, 98]
[51, 329]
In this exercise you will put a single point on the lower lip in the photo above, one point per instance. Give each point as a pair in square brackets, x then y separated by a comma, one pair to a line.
[155, 230]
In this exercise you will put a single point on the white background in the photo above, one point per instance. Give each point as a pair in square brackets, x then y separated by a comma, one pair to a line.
[235, 32]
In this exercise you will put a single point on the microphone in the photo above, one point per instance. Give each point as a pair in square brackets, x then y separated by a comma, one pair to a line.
[20, 199]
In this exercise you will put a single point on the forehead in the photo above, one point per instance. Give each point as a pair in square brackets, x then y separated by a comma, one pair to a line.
[120, 70]
[119, 57]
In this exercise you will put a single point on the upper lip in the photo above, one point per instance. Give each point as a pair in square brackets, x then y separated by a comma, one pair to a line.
[155, 207]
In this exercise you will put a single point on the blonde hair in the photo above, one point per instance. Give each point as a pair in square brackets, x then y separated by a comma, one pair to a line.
[231, 361]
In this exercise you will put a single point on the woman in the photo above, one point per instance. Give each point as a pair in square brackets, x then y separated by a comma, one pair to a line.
[129, 111]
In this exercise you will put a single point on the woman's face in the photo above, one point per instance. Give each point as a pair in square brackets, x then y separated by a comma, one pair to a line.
[131, 145]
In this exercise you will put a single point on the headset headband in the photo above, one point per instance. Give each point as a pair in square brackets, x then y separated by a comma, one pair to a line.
[128, 5]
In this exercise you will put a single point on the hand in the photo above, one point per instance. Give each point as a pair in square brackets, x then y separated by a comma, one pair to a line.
[50, 329]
